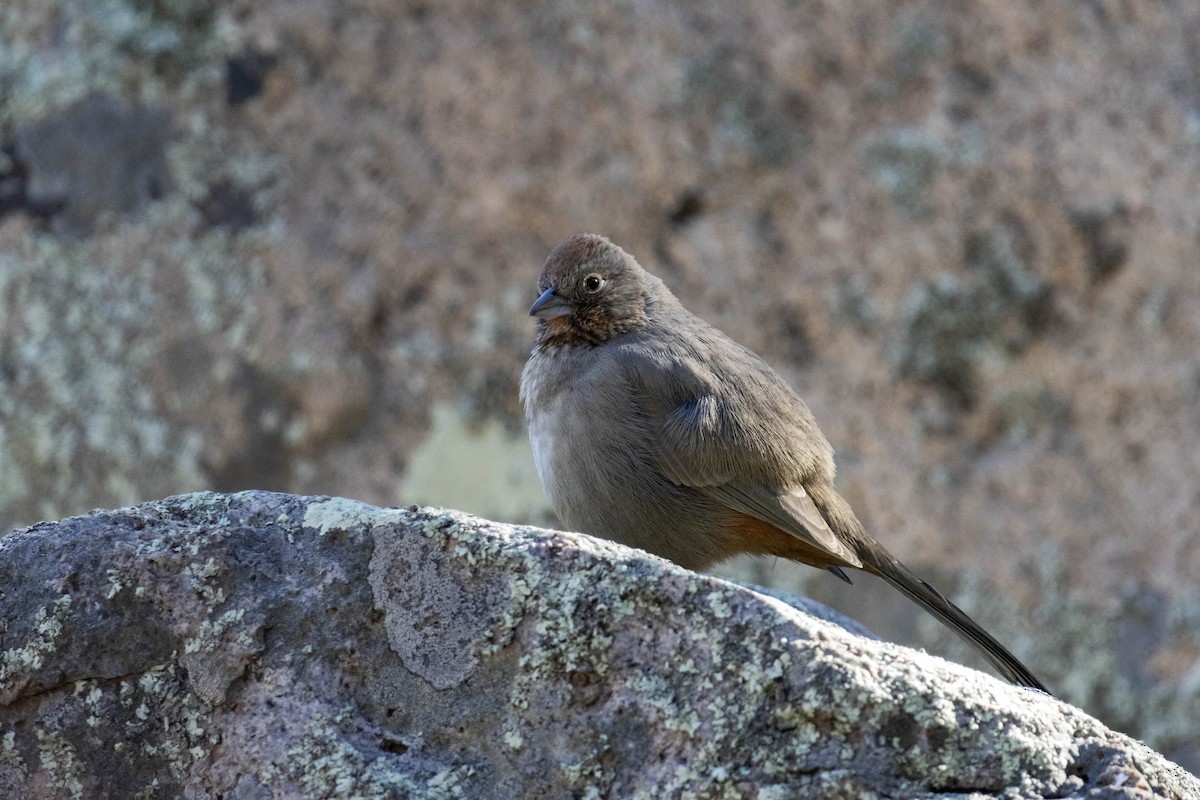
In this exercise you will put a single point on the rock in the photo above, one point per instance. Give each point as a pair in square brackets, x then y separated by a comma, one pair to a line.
[269, 645]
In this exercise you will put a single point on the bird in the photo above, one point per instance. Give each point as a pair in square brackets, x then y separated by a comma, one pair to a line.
[652, 428]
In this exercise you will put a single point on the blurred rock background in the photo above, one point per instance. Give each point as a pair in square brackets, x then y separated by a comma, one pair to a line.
[291, 245]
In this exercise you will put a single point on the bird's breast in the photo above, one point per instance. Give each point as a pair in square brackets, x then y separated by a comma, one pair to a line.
[590, 439]
[595, 436]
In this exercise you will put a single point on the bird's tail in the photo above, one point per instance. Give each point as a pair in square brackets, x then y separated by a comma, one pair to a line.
[878, 561]
[881, 563]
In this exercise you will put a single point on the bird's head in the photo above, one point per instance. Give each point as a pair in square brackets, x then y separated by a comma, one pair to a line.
[591, 291]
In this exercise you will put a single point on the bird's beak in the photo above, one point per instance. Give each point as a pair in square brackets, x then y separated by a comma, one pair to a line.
[550, 306]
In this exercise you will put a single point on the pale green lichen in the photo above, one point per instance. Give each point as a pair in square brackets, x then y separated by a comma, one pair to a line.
[56, 757]
[211, 633]
[91, 703]
[323, 764]
[47, 628]
[340, 513]
[11, 758]
[581, 773]
[512, 737]
[449, 783]
[200, 577]
[114, 583]
[151, 791]
[719, 607]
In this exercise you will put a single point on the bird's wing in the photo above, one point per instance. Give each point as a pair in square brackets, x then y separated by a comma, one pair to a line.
[794, 513]
[701, 445]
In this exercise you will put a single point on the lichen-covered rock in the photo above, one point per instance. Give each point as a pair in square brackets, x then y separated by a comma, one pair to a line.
[266, 645]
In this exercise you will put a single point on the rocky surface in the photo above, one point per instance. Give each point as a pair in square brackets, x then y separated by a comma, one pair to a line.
[291, 245]
[265, 645]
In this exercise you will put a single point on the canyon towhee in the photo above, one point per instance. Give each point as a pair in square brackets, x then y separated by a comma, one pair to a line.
[652, 428]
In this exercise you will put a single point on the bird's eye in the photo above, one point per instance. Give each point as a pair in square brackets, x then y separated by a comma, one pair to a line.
[593, 283]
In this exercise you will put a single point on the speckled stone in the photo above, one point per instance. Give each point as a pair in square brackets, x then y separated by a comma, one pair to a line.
[270, 645]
